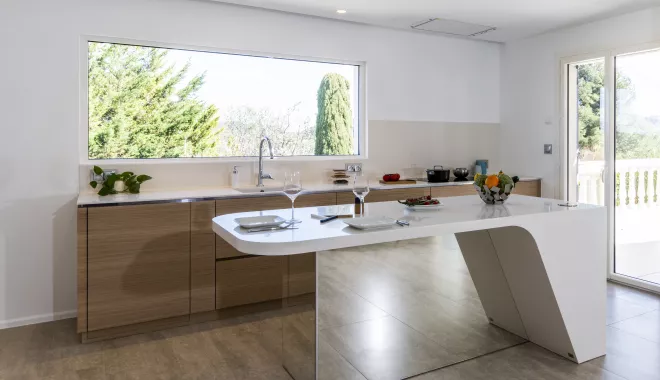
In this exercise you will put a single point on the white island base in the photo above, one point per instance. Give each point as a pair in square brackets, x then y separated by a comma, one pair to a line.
[539, 268]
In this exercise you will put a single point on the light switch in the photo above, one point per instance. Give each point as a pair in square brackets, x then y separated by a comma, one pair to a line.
[547, 148]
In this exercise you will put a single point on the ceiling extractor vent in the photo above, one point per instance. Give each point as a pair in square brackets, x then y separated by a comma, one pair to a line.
[456, 28]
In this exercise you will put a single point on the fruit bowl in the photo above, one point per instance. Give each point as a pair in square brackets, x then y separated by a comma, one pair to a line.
[495, 188]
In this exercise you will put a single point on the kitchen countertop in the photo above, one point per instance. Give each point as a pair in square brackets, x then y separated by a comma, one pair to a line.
[163, 196]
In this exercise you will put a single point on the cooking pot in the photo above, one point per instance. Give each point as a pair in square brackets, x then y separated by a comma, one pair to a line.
[461, 173]
[438, 175]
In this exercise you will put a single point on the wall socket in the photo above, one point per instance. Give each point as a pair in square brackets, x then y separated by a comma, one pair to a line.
[101, 177]
[354, 168]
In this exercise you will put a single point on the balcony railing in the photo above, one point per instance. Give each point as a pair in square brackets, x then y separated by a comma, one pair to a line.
[636, 182]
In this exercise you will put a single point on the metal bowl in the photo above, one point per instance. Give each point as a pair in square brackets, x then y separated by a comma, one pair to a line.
[461, 173]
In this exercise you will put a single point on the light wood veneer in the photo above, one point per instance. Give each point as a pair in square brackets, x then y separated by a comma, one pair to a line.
[82, 269]
[202, 257]
[250, 280]
[385, 195]
[138, 264]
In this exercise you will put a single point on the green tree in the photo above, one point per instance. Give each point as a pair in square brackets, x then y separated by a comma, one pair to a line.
[635, 137]
[141, 107]
[334, 121]
[291, 133]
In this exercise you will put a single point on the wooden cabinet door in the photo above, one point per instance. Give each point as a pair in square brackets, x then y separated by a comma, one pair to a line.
[531, 188]
[396, 194]
[453, 191]
[384, 195]
[202, 257]
[138, 264]
[250, 280]
[224, 250]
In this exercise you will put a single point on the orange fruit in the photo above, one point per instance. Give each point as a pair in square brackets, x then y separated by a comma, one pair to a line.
[492, 181]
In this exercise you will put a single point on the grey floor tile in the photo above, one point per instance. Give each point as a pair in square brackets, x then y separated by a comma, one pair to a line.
[619, 309]
[645, 326]
[523, 362]
[384, 349]
[630, 356]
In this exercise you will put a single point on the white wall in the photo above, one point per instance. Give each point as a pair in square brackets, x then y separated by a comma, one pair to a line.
[411, 77]
[530, 88]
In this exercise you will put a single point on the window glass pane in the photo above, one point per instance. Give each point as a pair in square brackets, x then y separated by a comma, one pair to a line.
[637, 166]
[147, 102]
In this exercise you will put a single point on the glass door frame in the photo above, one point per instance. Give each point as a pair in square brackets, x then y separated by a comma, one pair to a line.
[566, 156]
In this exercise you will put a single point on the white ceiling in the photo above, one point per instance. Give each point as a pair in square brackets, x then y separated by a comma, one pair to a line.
[514, 19]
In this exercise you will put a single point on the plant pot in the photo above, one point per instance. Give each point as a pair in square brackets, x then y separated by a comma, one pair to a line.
[119, 186]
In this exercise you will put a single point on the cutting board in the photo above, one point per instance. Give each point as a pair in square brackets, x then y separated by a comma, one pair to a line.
[399, 182]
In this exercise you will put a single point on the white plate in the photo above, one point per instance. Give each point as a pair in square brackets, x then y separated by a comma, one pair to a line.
[370, 222]
[260, 221]
[425, 207]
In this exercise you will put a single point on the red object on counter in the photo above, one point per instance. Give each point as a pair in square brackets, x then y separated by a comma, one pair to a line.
[391, 177]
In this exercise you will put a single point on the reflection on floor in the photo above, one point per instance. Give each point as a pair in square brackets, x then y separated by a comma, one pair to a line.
[416, 302]
[637, 246]
[400, 309]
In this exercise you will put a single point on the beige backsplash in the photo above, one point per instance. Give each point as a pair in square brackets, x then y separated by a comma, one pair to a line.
[392, 147]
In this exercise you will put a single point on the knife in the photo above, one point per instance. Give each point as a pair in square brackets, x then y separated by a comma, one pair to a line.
[329, 219]
[262, 229]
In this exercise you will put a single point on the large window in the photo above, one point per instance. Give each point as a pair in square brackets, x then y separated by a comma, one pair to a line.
[147, 102]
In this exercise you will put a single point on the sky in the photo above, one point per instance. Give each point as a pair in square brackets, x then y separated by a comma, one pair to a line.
[643, 69]
[277, 84]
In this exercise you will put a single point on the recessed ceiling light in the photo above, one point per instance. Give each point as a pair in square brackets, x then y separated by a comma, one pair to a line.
[341, 11]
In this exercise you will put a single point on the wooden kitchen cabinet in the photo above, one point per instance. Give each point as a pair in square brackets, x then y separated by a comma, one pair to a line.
[138, 264]
[453, 191]
[250, 280]
[385, 195]
[531, 188]
[202, 257]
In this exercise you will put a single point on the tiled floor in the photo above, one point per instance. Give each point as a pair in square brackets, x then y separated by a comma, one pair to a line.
[377, 322]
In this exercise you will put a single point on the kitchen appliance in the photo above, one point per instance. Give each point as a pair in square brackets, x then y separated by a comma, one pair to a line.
[461, 174]
[438, 175]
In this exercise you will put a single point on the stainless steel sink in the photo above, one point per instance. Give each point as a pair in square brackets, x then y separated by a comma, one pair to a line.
[254, 189]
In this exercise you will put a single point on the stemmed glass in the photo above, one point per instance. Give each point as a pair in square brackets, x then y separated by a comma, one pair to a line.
[361, 189]
[292, 188]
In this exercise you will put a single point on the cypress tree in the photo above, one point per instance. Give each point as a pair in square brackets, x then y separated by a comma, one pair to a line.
[334, 122]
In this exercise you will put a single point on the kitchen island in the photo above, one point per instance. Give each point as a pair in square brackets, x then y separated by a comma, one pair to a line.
[539, 268]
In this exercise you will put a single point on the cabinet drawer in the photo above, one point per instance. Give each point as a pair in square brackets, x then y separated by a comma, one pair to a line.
[453, 191]
[384, 195]
[250, 280]
[396, 194]
[531, 188]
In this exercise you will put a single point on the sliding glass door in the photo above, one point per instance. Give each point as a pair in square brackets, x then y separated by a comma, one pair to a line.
[636, 167]
[611, 153]
[586, 115]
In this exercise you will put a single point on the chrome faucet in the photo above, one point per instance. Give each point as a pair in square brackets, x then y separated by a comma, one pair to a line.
[261, 176]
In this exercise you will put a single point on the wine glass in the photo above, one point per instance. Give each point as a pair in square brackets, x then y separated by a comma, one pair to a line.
[361, 189]
[292, 188]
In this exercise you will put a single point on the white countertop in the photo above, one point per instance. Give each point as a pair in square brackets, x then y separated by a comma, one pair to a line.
[92, 199]
[459, 214]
